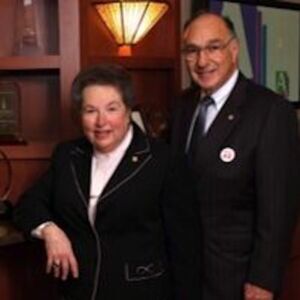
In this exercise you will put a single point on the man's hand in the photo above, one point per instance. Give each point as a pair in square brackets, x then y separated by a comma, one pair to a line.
[60, 256]
[254, 292]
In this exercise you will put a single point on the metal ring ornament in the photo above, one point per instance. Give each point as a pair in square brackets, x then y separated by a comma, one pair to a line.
[55, 266]
[8, 184]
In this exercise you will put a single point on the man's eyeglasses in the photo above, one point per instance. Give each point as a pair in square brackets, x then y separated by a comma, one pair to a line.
[191, 52]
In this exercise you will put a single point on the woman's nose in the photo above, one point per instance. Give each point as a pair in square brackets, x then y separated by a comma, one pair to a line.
[101, 118]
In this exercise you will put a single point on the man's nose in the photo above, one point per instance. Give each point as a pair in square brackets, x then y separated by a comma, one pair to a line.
[202, 57]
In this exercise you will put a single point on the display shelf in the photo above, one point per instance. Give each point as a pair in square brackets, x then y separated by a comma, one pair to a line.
[30, 62]
[135, 62]
[31, 150]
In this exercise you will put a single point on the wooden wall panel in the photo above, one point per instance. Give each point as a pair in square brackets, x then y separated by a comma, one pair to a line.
[154, 92]
[25, 172]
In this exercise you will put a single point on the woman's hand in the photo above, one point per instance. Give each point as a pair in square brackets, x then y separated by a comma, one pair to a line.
[254, 292]
[60, 256]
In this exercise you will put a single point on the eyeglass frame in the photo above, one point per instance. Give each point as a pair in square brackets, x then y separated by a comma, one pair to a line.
[195, 51]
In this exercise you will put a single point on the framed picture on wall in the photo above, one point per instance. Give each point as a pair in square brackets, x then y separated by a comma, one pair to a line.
[269, 35]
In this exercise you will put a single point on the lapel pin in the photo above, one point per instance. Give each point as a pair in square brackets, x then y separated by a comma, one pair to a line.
[135, 158]
[230, 117]
[227, 155]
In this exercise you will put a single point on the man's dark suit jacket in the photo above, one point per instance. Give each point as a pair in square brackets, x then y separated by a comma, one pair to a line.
[248, 203]
[141, 211]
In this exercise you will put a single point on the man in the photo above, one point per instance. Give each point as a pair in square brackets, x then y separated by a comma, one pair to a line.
[245, 166]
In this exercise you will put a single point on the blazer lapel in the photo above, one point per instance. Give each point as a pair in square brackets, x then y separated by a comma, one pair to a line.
[135, 158]
[81, 168]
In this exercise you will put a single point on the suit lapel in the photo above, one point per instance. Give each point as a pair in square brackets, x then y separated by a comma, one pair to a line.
[226, 120]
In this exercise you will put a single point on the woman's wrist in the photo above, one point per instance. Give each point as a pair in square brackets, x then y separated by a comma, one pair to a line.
[38, 232]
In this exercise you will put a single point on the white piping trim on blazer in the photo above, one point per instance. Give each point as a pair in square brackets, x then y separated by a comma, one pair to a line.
[125, 180]
[147, 149]
[77, 149]
[145, 277]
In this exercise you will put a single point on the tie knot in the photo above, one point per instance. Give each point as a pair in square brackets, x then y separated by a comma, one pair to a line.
[207, 101]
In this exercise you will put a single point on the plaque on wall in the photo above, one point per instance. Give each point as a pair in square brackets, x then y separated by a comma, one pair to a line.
[10, 114]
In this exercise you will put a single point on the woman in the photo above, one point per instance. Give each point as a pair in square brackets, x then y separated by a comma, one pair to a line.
[102, 207]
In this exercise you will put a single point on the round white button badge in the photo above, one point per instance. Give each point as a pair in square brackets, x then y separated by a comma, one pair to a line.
[227, 155]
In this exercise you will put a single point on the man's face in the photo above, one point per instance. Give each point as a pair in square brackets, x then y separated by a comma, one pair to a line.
[210, 52]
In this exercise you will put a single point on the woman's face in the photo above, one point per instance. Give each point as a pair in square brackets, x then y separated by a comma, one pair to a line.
[104, 116]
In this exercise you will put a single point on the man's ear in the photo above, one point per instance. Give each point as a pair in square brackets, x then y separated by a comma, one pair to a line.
[235, 48]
